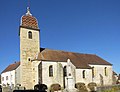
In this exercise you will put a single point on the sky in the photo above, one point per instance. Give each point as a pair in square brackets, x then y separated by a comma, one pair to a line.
[83, 26]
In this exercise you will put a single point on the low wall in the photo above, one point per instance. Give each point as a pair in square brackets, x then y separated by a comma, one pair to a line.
[114, 88]
[8, 89]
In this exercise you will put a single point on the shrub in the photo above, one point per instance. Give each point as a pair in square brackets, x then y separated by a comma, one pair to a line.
[41, 87]
[81, 87]
[92, 86]
[55, 87]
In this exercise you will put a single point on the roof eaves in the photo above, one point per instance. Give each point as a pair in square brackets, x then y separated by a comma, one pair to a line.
[10, 67]
[99, 64]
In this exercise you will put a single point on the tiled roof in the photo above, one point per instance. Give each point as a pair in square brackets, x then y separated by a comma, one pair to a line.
[29, 21]
[78, 59]
[11, 67]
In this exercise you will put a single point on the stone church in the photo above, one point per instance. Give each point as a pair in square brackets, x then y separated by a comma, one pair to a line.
[46, 66]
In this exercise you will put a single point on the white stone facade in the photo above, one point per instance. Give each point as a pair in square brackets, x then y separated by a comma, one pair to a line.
[57, 73]
[87, 78]
[77, 74]
[99, 75]
[102, 76]
[10, 78]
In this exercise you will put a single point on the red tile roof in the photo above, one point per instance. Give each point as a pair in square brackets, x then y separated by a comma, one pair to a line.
[11, 67]
[78, 59]
[29, 21]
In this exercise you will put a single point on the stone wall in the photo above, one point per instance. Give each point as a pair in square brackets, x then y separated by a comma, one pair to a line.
[76, 73]
[57, 73]
[35, 72]
[99, 75]
[28, 50]
[113, 88]
[88, 76]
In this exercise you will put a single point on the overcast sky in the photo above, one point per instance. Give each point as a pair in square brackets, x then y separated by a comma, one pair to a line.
[84, 26]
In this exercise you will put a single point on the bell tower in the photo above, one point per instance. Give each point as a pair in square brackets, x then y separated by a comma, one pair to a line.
[29, 47]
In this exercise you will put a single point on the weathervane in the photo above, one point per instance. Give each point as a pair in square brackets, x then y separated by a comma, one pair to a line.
[28, 3]
[28, 8]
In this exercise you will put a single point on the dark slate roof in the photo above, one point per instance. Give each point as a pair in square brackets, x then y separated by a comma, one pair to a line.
[80, 60]
[11, 67]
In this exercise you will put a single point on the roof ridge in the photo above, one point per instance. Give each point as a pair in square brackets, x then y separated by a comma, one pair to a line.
[76, 57]
[14, 63]
[11, 67]
[49, 49]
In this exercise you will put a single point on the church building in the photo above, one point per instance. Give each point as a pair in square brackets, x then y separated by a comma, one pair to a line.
[47, 66]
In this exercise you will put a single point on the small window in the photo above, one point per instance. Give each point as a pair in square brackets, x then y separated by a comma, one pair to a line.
[83, 73]
[65, 71]
[29, 59]
[30, 35]
[6, 77]
[105, 70]
[93, 72]
[50, 71]
[33, 80]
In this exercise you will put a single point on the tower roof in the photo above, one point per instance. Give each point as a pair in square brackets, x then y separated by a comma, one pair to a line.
[29, 21]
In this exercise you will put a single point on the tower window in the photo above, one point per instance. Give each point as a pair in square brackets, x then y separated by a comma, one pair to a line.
[83, 73]
[65, 71]
[50, 71]
[30, 35]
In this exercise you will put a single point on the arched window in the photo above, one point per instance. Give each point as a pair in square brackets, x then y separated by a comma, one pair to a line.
[50, 71]
[65, 71]
[105, 70]
[93, 72]
[30, 35]
[83, 73]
